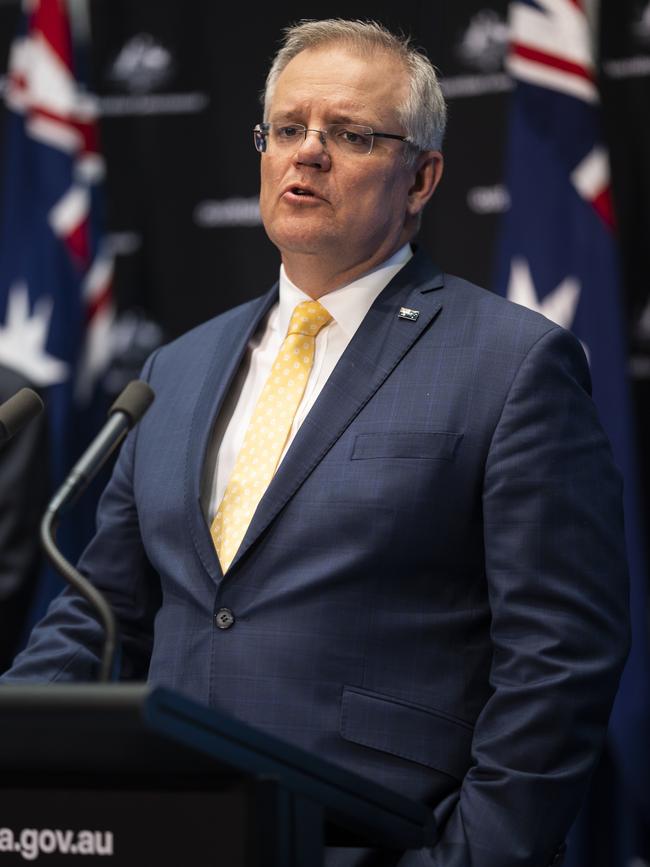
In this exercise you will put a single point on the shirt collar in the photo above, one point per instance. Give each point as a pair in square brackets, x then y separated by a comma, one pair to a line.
[348, 304]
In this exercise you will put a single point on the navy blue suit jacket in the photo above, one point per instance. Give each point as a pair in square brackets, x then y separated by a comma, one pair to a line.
[432, 591]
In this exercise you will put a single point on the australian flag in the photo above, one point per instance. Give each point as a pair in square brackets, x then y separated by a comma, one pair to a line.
[56, 307]
[558, 256]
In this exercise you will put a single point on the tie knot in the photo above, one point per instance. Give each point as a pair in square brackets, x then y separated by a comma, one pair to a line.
[308, 318]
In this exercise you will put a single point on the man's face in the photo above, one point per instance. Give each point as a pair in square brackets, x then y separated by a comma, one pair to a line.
[352, 211]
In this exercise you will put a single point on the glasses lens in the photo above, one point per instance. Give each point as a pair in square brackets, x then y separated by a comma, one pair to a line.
[287, 134]
[259, 138]
[351, 137]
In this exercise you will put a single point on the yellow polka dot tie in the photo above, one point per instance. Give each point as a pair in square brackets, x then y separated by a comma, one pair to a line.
[268, 430]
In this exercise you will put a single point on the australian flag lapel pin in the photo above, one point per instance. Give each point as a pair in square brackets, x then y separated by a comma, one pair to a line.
[407, 313]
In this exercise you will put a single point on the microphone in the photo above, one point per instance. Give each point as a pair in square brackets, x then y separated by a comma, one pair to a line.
[17, 412]
[124, 414]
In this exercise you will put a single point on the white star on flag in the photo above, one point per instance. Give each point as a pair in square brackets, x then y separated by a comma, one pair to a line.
[559, 305]
[23, 338]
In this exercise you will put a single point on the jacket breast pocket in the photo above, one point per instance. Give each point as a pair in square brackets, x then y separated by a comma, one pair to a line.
[426, 445]
[406, 730]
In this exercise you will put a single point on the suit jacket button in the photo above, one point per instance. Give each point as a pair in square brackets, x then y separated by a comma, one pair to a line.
[224, 618]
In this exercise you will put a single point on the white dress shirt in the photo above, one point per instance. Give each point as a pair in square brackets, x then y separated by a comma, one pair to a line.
[348, 306]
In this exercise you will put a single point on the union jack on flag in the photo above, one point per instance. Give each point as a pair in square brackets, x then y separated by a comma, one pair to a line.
[558, 255]
[56, 305]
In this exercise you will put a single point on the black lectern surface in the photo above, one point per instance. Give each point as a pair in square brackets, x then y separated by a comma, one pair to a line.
[131, 736]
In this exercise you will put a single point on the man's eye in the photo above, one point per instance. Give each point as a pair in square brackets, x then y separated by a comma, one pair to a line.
[288, 131]
[351, 137]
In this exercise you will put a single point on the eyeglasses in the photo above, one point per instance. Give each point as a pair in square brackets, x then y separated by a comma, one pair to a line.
[348, 138]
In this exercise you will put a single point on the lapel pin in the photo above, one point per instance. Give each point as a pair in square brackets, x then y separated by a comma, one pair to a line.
[407, 313]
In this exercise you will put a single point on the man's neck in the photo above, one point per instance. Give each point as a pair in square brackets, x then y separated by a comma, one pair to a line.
[317, 277]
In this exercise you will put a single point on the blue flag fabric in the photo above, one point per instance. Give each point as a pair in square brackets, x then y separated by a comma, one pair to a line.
[56, 304]
[558, 255]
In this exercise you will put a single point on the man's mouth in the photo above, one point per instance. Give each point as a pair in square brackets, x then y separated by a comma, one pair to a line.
[301, 191]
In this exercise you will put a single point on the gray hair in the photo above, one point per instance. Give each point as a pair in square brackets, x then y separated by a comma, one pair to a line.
[423, 114]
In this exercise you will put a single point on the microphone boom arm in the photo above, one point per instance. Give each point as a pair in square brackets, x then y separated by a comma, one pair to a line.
[96, 599]
[127, 410]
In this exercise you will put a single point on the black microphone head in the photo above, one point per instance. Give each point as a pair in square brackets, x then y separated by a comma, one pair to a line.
[18, 411]
[133, 401]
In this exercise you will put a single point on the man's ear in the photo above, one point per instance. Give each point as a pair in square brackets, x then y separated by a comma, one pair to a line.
[428, 171]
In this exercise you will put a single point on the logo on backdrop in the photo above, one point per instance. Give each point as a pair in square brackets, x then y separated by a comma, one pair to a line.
[636, 65]
[485, 42]
[143, 65]
[236, 211]
[641, 26]
[488, 200]
[482, 49]
[141, 72]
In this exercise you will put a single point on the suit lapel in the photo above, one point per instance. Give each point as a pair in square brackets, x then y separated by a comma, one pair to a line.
[230, 346]
[382, 340]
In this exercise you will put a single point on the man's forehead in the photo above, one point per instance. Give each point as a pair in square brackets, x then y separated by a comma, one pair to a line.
[345, 84]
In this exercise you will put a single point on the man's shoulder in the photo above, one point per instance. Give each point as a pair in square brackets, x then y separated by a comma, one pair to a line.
[488, 312]
[230, 323]
[475, 303]
[465, 292]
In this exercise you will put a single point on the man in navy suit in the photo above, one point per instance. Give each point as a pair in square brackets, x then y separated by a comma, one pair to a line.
[431, 590]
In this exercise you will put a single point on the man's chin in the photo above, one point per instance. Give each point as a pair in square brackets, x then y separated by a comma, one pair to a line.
[303, 241]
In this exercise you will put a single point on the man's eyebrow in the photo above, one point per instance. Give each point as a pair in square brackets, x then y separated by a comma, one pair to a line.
[297, 115]
[288, 114]
[287, 117]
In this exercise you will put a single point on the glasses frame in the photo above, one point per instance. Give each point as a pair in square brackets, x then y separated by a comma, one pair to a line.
[261, 132]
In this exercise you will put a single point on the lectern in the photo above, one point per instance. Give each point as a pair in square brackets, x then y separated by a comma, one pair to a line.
[133, 776]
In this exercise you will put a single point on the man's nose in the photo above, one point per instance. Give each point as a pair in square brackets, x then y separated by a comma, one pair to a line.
[313, 151]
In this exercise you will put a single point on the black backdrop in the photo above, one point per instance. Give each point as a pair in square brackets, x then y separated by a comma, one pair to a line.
[179, 87]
